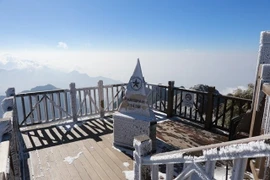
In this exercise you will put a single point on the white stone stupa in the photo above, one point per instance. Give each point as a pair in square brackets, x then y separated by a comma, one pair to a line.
[134, 116]
[135, 101]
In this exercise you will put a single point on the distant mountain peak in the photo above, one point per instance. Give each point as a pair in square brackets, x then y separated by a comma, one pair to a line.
[47, 87]
[74, 72]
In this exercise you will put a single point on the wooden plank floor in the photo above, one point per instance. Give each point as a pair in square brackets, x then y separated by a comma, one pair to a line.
[75, 151]
[182, 135]
[84, 150]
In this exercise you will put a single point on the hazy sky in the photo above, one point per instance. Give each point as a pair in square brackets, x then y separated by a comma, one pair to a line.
[210, 42]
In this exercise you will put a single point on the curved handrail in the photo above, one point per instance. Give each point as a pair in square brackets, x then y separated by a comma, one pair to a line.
[179, 155]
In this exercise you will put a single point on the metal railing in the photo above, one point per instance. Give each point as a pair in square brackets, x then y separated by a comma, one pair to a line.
[212, 110]
[51, 106]
[226, 108]
[198, 166]
[157, 96]
[195, 113]
[113, 96]
[43, 107]
[209, 109]
[87, 101]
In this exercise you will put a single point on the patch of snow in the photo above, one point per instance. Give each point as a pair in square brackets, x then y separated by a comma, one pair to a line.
[220, 173]
[116, 149]
[161, 176]
[160, 113]
[167, 157]
[70, 159]
[162, 121]
[68, 126]
[130, 175]
[124, 150]
[126, 164]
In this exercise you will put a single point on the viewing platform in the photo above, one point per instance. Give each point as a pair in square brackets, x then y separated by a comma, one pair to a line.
[54, 142]
[70, 133]
[84, 150]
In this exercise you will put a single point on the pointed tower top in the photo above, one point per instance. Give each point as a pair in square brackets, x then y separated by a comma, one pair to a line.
[138, 70]
[136, 83]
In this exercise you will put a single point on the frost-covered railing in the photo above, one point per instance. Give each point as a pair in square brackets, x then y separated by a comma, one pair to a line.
[201, 166]
[196, 113]
[100, 99]
[226, 108]
[113, 96]
[43, 107]
[208, 109]
[260, 167]
[64, 104]
[10, 144]
[157, 96]
[4, 148]
[87, 101]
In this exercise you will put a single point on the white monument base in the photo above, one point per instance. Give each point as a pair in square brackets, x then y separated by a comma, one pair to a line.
[127, 126]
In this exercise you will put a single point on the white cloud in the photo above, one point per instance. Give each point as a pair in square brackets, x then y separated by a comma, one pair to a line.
[62, 45]
[8, 62]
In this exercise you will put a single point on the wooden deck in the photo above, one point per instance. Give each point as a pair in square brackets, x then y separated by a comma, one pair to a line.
[84, 150]
[184, 135]
[80, 151]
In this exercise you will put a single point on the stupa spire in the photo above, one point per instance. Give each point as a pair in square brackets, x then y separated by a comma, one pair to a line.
[135, 100]
[136, 83]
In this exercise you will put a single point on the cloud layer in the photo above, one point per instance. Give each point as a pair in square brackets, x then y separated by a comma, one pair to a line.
[9, 62]
[186, 68]
[62, 45]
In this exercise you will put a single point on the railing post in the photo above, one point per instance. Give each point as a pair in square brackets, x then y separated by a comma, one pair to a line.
[170, 99]
[238, 170]
[264, 163]
[209, 111]
[259, 101]
[262, 76]
[169, 171]
[9, 109]
[101, 98]
[210, 168]
[154, 171]
[73, 101]
[143, 147]
[7, 106]
[8, 102]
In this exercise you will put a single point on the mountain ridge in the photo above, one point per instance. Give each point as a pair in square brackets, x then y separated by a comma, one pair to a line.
[22, 79]
[25, 74]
